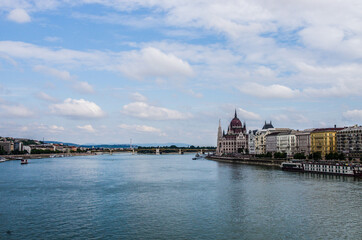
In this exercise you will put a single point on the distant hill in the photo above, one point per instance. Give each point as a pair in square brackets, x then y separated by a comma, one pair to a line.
[89, 145]
[162, 144]
[64, 143]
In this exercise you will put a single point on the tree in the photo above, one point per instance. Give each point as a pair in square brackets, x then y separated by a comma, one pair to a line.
[317, 155]
[280, 155]
[299, 156]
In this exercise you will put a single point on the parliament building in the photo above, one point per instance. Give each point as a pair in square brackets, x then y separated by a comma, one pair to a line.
[235, 140]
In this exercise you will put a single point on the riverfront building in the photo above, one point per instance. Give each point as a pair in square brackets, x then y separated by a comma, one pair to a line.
[349, 141]
[324, 140]
[235, 140]
[303, 142]
[271, 142]
[286, 142]
[7, 146]
[260, 138]
[251, 141]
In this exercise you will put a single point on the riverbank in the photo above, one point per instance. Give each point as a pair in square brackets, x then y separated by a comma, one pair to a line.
[248, 160]
[46, 155]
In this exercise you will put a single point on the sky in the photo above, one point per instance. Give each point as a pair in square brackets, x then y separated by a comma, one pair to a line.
[158, 71]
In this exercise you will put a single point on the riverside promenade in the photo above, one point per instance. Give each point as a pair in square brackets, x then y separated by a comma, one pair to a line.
[248, 160]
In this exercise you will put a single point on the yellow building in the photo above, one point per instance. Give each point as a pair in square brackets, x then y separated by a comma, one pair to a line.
[324, 140]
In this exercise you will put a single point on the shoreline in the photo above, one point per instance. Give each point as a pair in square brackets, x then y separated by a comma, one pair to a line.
[44, 155]
[250, 161]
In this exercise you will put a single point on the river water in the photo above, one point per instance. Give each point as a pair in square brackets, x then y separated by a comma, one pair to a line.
[127, 196]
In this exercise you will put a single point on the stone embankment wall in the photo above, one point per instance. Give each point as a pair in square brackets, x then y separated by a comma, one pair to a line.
[251, 161]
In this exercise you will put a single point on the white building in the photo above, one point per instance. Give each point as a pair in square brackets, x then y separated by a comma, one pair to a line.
[287, 142]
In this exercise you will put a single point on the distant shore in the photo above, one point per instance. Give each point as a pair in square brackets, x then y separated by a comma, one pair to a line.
[44, 155]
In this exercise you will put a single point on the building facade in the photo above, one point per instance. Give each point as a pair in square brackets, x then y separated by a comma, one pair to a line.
[7, 147]
[271, 143]
[286, 142]
[251, 141]
[260, 137]
[349, 141]
[324, 140]
[235, 140]
[303, 142]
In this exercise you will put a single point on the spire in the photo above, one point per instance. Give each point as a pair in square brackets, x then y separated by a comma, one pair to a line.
[219, 131]
[235, 114]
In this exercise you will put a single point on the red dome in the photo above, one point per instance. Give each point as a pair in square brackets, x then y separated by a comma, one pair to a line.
[235, 122]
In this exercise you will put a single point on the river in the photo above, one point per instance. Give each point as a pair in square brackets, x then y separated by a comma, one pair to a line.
[125, 196]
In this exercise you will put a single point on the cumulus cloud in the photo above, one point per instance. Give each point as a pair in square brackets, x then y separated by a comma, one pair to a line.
[19, 15]
[146, 111]
[87, 128]
[272, 91]
[83, 87]
[138, 97]
[353, 115]
[15, 111]
[140, 128]
[77, 109]
[151, 62]
[248, 115]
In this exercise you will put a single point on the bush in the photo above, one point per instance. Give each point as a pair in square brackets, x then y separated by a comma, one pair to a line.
[299, 156]
[317, 155]
[280, 155]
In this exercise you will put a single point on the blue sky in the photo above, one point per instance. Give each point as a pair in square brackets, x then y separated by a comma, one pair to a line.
[100, 71]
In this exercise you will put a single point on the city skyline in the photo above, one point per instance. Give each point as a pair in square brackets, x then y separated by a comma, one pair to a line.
[159, 71]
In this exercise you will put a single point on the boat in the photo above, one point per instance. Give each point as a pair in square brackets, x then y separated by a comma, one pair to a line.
[292, 166]
[24, 161]
[346, 169]
[2, 159]
[198, 156]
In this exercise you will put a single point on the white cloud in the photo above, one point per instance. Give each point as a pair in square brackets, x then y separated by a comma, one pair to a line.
[56, 128]
[19, 15]
[138, 97]
[353, 115]
[272, 91]
[76, 109]
[146, 111]
[15, 111]
[151, 62]
[248, 115]
[46, 97]
[82, 87]
[64, 75]
[140, 128]
[69, 57]
[87, 128]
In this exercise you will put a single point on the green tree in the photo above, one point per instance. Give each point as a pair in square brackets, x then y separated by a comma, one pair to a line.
[317, 155]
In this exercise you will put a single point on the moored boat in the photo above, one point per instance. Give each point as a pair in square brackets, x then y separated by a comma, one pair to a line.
[292, 166]
[24, 161]
[346, 169]
[198, 156]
